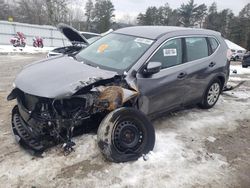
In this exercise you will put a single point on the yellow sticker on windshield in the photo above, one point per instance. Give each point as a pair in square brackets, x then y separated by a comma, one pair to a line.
[102, 48]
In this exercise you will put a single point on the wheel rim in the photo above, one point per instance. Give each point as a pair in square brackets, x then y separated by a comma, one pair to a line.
[213, 94]
[127, 136]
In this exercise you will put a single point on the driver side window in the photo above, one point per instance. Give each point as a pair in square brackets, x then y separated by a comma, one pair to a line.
[170, 54]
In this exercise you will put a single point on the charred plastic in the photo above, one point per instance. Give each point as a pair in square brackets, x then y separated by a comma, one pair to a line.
[39, 123]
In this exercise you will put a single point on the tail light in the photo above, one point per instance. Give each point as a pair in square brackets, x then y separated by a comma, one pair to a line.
[229, 54]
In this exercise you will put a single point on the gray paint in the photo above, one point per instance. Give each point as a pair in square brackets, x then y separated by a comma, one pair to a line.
[160, 92]
[155, 32]
[58, 77]
[166, 91]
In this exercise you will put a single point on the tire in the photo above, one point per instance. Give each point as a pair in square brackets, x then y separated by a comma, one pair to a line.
[211, 94]
[244, 66]
[125, 134]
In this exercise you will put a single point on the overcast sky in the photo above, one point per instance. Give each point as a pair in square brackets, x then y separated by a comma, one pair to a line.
[133, 7]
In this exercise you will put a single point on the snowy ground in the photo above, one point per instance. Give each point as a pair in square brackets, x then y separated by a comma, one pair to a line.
[194, 147]
[23, 50]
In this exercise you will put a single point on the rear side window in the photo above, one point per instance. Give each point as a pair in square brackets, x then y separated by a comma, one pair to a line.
[213, 43]
[170, 54]
[197, 48]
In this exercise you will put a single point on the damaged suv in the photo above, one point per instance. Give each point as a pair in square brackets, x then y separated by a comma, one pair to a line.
[116, 85]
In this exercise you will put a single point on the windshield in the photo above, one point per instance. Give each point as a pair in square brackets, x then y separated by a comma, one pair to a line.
[115, 51]
[93, 39]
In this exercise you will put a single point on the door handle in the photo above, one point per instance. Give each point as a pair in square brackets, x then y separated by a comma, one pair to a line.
[212, 64]
[182, 75]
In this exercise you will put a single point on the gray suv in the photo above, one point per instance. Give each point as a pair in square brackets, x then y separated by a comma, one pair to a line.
[115, 86]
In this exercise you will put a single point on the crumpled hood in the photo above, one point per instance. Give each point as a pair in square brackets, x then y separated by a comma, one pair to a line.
[58, 77]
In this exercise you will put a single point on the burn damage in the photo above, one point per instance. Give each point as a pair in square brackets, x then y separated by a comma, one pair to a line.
[41, 122]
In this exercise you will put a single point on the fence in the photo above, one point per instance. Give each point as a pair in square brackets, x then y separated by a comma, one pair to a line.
[52, 37]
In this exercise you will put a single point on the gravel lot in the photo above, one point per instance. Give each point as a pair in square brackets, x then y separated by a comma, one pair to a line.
[194, 147]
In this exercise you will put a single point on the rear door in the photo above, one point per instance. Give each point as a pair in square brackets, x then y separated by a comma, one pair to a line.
[199, 65]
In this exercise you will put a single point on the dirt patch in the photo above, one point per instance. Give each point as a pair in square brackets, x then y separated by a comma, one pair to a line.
[235, 146]
[79, 170]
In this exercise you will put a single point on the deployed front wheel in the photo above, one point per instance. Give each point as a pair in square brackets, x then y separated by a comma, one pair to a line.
[125, 134]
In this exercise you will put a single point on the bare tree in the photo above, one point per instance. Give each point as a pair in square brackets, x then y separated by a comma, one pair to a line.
[89, 8]
[31, 11]
[57, 11]
[4, 10]
[127, 19]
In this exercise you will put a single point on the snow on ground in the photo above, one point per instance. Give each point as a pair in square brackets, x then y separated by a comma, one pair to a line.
[235, 78]
[179, 159]
[239, 69]
[26, 49]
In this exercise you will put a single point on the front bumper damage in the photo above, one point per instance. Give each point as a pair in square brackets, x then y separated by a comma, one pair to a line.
[24, 135]
[36, 142]
[39, 123]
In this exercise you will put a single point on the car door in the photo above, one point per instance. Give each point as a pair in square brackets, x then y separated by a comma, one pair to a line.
[163, 90]
[199, 65]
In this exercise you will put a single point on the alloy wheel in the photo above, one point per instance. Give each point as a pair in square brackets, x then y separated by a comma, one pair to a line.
[213, 94]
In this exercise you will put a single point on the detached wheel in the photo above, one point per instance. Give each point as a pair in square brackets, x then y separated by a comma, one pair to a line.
[125, 135]
[211, 95]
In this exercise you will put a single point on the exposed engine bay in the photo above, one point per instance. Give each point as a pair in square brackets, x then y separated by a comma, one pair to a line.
[70, 50]
[39, 122]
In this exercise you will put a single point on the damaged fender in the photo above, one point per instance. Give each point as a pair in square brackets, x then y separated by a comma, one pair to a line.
[53, 105]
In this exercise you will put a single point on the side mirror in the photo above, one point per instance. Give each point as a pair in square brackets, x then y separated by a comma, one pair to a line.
[152, 68]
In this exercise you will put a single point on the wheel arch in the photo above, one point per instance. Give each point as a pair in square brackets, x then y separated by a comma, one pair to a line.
[222, 80]
[220, 77]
